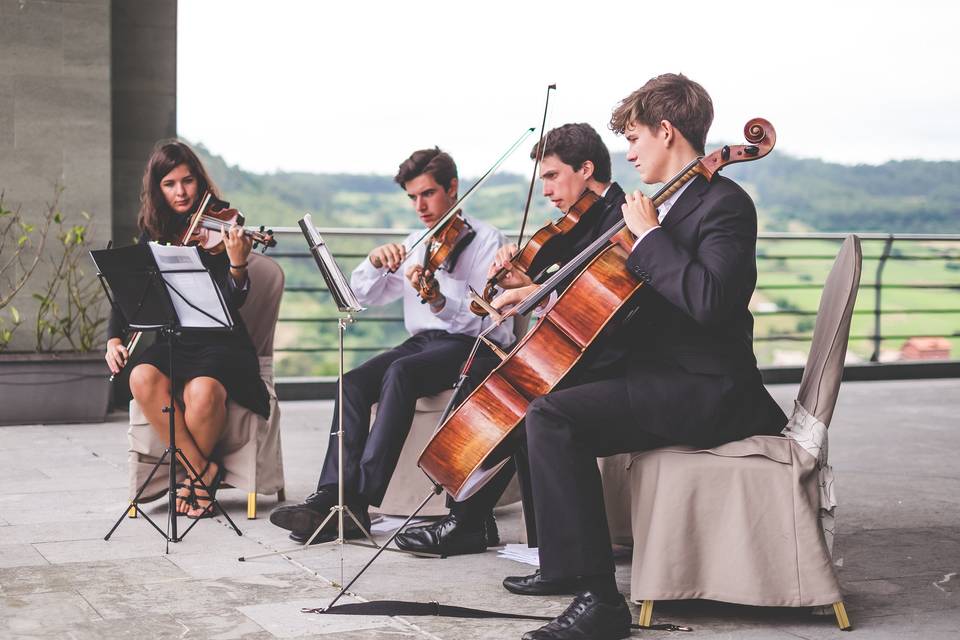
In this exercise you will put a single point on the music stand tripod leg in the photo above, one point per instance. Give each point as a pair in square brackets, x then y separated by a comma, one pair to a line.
[338, 509]
[437, 488]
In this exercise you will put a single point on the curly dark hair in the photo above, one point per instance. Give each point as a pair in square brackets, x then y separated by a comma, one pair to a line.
[574, 144]
[437, 163]
[672, 97]
[156, 216]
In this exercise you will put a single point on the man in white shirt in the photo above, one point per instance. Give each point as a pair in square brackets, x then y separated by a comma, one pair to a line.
[574, 161]
[442, 332]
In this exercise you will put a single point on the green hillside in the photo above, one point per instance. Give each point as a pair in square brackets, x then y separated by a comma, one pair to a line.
[791, 194]
[911, 196]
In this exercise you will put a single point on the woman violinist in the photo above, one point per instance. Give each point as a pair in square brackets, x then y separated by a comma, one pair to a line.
[210, 366]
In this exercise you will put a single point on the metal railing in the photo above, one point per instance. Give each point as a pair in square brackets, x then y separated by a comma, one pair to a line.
[782, 288]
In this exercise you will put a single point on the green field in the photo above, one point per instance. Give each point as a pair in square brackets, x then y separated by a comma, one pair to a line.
[781, 262]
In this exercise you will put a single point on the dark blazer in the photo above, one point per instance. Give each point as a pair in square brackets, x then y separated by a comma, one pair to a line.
[691, 370]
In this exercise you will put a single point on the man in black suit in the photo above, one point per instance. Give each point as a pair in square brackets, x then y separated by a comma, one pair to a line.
[575, 160]
[681, 370]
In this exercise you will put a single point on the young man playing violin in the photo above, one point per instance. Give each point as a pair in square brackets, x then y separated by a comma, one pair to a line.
[681, 371]
[442, 328]
[574, 166]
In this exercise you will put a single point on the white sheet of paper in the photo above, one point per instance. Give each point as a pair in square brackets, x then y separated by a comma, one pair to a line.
[198, 288]
[520, 553]
[389, 524]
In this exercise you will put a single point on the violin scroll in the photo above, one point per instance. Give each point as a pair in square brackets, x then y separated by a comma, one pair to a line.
[756, 131]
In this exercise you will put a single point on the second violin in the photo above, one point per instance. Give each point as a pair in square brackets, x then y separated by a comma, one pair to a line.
[543, 250]
[442, 252]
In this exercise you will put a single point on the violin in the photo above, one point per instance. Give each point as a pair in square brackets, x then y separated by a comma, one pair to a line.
[544, 248]
[474, 442]
[442, 250]
[204, 227]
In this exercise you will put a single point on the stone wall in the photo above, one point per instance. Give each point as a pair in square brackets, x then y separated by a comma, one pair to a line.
[86, 88]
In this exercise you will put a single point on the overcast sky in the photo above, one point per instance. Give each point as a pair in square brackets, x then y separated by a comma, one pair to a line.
[298, 85]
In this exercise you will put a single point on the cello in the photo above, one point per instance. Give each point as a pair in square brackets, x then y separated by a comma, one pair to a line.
[473, 442]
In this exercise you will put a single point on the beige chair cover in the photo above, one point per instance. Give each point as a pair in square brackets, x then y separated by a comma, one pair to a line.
[250, 446]
[741, 522]
[408, 485]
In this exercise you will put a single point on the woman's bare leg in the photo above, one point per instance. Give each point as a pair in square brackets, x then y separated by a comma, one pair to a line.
[205, 400]
[151, 389]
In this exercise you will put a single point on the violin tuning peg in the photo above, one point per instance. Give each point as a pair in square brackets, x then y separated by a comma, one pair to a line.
[752, 150]
[725, 153]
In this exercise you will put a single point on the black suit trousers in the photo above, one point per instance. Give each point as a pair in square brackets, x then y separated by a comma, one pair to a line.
[566, 431]
[423, 365]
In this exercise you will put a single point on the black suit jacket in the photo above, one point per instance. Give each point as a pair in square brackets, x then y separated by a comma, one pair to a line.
[692, 375]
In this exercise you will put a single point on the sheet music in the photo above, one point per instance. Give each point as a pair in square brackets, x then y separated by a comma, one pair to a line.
[197, 287]
[339, 286]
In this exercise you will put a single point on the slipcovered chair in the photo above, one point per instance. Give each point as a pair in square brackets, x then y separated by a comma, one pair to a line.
[751, 521]
[408, 485]
[250, 446]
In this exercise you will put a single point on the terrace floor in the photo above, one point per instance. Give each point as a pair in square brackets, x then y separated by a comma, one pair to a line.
[894, 448]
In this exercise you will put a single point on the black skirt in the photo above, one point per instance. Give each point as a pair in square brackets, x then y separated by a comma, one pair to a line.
[227, 356]
[220, 356]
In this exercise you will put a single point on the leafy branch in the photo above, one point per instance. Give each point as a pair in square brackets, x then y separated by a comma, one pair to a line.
[24, 244]
[70, 304]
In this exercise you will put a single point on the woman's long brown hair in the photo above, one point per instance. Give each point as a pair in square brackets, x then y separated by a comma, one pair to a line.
[156, 216]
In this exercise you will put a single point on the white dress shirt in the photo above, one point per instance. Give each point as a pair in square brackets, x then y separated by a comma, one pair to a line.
[374, 288]
[663, 209]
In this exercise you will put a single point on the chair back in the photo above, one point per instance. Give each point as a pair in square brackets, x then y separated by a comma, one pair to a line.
[824, 369]
[262, 306]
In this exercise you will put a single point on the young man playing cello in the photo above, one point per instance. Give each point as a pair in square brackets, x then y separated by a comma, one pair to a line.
[575, 161]
[682, 371]
[442, 330]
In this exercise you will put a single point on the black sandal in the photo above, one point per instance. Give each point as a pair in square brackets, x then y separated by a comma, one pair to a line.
[210, 490]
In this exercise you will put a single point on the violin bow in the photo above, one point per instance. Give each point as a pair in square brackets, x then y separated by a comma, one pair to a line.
[536, 163]
[456, 205]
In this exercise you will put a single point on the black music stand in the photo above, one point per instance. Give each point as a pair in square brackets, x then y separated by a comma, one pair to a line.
[348, 304]
[183, 295]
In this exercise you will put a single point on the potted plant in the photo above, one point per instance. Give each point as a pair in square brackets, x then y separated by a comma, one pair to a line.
[53, 313]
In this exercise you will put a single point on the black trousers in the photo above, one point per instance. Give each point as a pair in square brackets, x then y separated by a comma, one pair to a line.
[423, 365]
[566, 431]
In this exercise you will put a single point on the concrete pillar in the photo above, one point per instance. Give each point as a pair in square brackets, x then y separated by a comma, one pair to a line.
[144, 83]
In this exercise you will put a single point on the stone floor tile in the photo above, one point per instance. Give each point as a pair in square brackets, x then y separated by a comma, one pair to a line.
[49, 613]
[65, 577]
[20, 555]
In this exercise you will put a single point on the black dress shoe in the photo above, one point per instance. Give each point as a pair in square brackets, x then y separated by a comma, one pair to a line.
[490, 527]
[448, 536]
[535, 585]
[587, 618]
[329, 533]
[305, 516]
